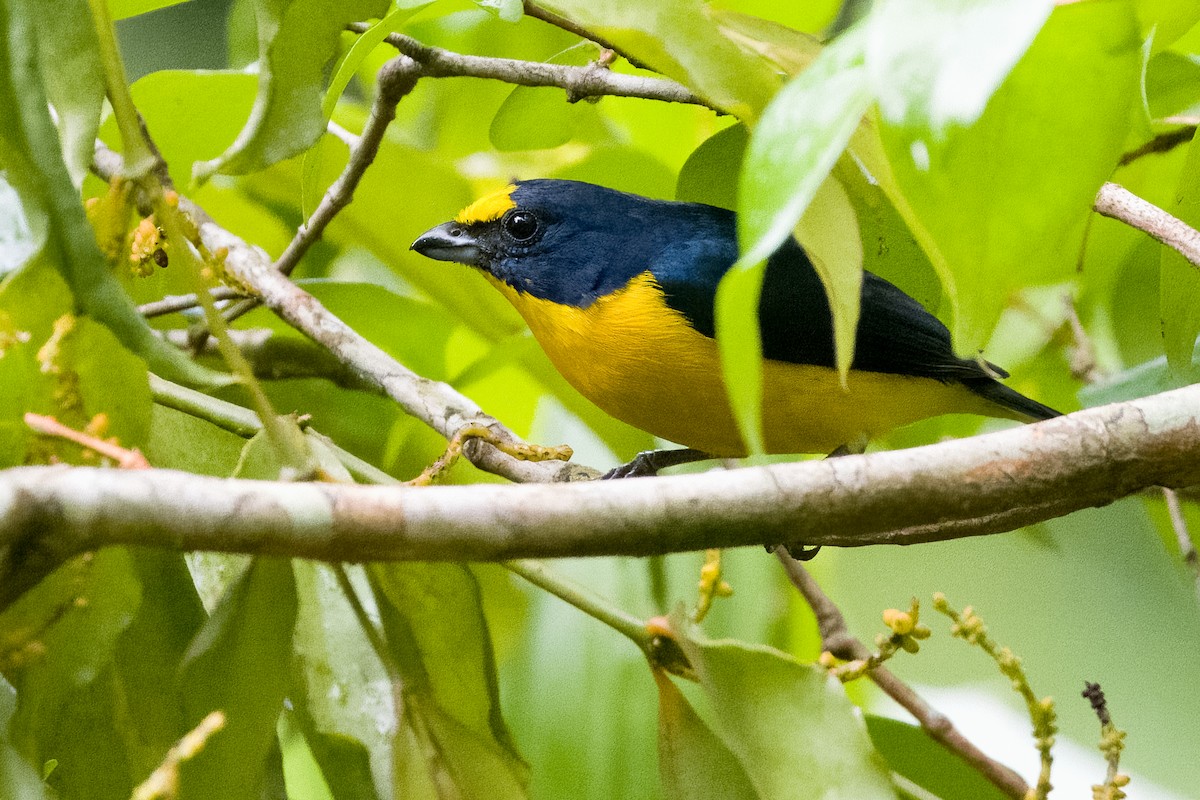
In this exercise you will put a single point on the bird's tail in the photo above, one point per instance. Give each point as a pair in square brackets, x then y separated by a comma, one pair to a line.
[1025, 409]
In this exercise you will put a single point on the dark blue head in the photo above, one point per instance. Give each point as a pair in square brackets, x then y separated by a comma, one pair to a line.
[572, 242]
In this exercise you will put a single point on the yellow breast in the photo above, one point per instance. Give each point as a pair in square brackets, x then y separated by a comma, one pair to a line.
[642, 362]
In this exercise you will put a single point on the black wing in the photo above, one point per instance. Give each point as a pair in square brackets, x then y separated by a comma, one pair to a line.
[896, 335]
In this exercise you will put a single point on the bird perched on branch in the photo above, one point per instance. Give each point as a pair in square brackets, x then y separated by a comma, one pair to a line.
[618, 290]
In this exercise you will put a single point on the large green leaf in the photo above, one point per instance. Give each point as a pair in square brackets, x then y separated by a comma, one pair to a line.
[692, 760]
[997, 181]
[437, 634]
[69, 61]
[790, 725]
[337, 691]
[681, 39]
[297, 40]
[34, 166]
[238, 663]
[792, 149]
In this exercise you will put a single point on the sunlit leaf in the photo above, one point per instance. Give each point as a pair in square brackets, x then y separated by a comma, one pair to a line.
[681, 39]
[69, 61]
[297, 40]
[35, 168]
[792, 149]
[121, 9]
[1000, 201]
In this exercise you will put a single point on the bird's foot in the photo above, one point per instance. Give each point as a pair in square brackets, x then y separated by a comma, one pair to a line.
[799, 552]
[648, 463]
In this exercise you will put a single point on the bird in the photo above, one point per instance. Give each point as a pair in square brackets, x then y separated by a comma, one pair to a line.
[619, 290]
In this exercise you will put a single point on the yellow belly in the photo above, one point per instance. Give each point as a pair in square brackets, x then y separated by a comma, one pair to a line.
[639, 360]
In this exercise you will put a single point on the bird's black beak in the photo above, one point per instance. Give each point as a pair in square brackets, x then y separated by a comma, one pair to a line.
[450, 241]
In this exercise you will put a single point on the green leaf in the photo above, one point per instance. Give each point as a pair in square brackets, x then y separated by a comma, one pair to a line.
[532, 118]
[194, 114]
[69, 61]
[829, 233]
[797, 142]
[710, 174]
[681, 39]
[148, 655]
[787, 49]
[1166, 20]
[297, 40]
[1173, 85]
[120, 9]
[180, 441]
[35, 168]
[346, 69]
[237, 663]
[910, 752]
[998, 198]
[792, 149]
[507, 10]
[936, 65]
[692, 760]
[66, 703]
[336, 689]
[790, 725]
[1179, 281]
[438, 636]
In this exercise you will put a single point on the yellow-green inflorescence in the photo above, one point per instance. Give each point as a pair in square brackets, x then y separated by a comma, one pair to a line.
[970, 627]
[907, 632]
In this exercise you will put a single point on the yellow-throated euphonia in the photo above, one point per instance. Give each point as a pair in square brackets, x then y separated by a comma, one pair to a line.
[618, 290]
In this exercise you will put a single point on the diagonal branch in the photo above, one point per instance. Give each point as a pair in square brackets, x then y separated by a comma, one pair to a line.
[837, 639]
[941, 491]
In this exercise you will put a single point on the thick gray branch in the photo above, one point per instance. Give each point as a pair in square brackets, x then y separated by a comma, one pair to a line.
[947, 490]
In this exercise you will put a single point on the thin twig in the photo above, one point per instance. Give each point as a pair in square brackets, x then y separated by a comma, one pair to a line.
[126, 458]
[578, 82]
[395, 79]
[1119, 203]
[182, 302]
[541, 576]
[837, 639]
[1162, 143]
[549, 17]
[1187, 548]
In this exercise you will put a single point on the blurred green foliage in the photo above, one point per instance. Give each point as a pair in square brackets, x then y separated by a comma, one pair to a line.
[988, 128]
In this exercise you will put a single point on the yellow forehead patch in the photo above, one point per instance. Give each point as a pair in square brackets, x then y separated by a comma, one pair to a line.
[488, 207]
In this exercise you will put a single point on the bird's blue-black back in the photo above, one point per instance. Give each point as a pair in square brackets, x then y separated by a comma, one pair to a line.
[596, 240]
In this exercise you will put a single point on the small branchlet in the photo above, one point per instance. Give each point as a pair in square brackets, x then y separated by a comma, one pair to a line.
[91, 438]
[518, 450]
[711, 585]
[1112, 742]
[970, 627]
[907, 635]
[163, 783]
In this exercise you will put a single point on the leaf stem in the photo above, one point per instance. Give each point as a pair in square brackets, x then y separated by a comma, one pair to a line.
[139, 156]
[596, 607]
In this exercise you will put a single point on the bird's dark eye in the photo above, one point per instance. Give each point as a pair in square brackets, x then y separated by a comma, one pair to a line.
[520, 225]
